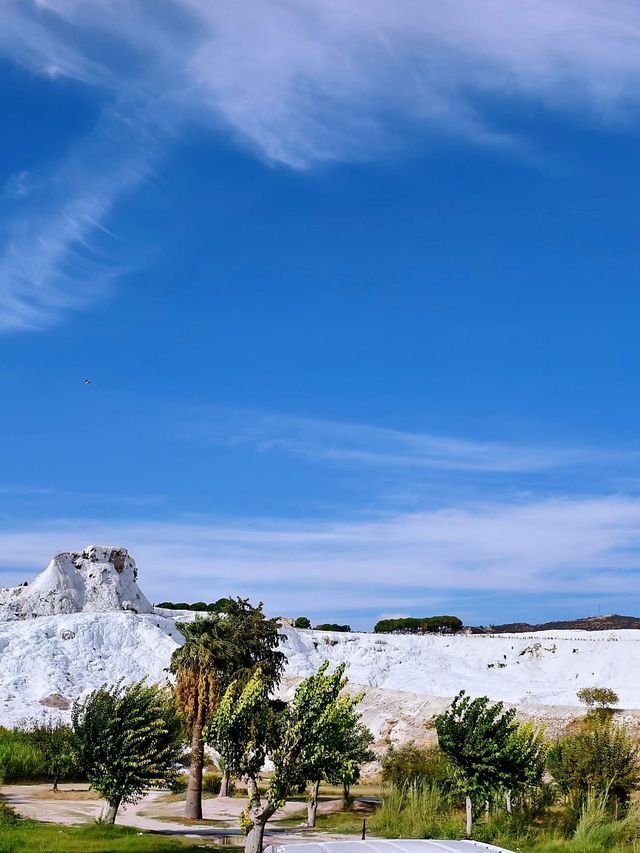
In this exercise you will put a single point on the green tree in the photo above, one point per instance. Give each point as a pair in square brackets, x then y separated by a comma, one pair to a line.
[333, 626]
[602, 758]
[300, 739]
[246, 728]
[302, 622]
[219, 606]
[127, 739]
[335, 741]
[422, 625]
[478, 739]
[255, 640]
[527, 756]
[358, 740]
[199, 666]
[56, 744]
[599, 700]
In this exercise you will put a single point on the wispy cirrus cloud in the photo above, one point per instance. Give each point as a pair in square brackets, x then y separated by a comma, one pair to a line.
[297, 82]
[58, 253]
[557, 548]
[345, 443]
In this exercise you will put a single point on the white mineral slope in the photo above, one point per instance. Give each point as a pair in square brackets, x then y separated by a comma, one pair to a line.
[545, 668]
[84, 622]
[48, 663]
[98, 579]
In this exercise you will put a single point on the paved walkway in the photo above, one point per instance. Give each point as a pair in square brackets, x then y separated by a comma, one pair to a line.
[40, 803]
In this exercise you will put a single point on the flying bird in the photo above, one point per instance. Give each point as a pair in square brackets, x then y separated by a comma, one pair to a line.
[87, 382]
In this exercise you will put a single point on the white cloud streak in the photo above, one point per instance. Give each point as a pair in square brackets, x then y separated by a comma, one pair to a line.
[299, 82]
[353, 444]
[554, 547]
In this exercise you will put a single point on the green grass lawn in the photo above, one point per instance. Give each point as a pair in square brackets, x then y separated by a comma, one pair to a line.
[30, 836]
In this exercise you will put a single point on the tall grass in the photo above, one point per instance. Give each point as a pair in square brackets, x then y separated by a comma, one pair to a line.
[416, 811]
[423, 812]
[20, 759]
[596, 828]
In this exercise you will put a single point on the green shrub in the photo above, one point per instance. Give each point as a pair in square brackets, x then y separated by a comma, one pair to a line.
[8, 817]
[602, 758]
[178, 785]
[409, 764]
[302, 622]
[333, 626]
[211, 783]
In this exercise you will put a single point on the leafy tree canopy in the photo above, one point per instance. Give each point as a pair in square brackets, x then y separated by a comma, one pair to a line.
[602, 758]
[127, 740]
[56, 744]
[598, 698]
[485, 747]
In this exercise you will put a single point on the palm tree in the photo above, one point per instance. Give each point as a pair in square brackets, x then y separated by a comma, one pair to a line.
[199, 666]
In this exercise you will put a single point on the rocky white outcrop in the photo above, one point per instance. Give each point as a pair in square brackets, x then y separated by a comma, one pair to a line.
[84, 622]
[97, 580]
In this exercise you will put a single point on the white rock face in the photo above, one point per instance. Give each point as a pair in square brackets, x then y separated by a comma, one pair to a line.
[69, 656]
[97, 580]
[84, 622]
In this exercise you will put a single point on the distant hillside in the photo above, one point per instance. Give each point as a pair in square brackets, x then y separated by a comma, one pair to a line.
[589, 623]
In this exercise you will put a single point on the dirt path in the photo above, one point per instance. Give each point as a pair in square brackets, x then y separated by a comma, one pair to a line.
[71, 806]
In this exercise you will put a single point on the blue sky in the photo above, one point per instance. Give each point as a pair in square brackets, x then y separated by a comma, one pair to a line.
[355, 285]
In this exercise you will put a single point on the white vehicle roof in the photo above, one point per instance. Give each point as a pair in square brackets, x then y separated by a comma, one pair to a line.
[400, 845]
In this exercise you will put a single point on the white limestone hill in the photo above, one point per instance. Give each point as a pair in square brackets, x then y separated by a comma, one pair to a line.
[97, 580]
[84, 622]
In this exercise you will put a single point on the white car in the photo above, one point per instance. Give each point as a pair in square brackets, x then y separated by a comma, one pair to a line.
[378, 845]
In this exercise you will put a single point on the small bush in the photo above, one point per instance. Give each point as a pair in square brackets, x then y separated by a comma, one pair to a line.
[409, 764]
[211, 783]
[8, 817]
[602, 758]
[302, 622]
[178, 784]
[333, 626]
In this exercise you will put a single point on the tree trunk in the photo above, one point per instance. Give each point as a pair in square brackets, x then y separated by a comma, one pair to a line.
[255, 838]
[55, 781]
[312, 805]
[469, 808]
[193, 803]
[224, 784]
[508, 801]
[110, 811]
[258, 817]
[346, 795]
